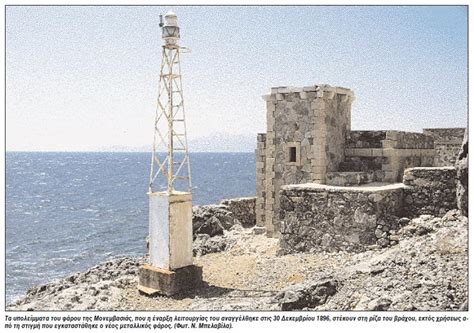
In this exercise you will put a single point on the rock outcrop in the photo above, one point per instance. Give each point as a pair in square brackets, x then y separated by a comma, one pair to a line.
[212, 220]
[307, 295]
[427, 270]
[98, 288]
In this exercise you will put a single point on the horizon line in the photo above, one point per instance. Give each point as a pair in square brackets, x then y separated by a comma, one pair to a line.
[111, 151]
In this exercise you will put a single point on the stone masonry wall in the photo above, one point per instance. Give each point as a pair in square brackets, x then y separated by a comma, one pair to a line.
[260, 181]
[430, 190]
[447, 143]
[243, 210]
[317, 217]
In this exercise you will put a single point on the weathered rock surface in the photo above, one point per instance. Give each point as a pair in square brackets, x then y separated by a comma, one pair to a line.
[204, 244]
[98, 288]
[426, 270]
[462, 177]
[211, 220]
[307, 295]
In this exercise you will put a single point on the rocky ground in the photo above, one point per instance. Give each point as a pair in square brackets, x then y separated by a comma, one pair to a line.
[427, 270]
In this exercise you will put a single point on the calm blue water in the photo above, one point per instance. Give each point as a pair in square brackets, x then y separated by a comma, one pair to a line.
[66, 212]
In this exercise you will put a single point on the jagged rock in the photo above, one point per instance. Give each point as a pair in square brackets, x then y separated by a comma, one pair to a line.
[211, 220]
[211, 226]
[204, 244]
[425, 224]
[462, 177]
[426, 270]
[214, 219]
[403, 221]
[380, 304]
[464, 306]
[307, 295]
[259, 230]
[81, 290]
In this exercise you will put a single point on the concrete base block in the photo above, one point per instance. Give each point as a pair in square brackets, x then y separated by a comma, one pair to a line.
[153, 280]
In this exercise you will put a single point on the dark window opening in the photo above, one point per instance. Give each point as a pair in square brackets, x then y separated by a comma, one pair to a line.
[292, 154]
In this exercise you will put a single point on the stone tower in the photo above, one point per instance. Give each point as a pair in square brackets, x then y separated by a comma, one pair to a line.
[305, 139]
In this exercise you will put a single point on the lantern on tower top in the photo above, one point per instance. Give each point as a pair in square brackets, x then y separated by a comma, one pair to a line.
[170, 28]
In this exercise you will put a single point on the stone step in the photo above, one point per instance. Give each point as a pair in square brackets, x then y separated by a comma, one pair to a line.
[349, 178]
[362, 163]
[352, 166]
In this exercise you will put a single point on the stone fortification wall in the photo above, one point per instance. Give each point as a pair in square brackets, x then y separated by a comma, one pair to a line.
[317, 217]
[430, 190]
[407, 140]
[447, 143]
[445, 134]
[260, 179]
[388, 139]
[387, 154]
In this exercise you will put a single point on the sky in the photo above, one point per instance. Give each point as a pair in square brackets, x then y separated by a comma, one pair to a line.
[85, 78]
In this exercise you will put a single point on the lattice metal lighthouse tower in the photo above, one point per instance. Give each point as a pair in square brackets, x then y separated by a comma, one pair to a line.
[171, 266]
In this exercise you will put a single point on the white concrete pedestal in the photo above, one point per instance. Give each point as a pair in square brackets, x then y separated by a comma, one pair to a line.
[171, 268]
[171, 230]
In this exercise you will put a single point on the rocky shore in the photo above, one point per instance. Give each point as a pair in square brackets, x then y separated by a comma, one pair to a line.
[243, 270]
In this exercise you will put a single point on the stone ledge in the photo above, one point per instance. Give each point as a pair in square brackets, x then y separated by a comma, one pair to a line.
[376, 152]
[349, 178]
[448, 142]
[430, 168]
[278, 92]
[314, 187]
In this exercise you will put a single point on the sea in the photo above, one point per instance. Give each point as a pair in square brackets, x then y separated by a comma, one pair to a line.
[66, 212]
